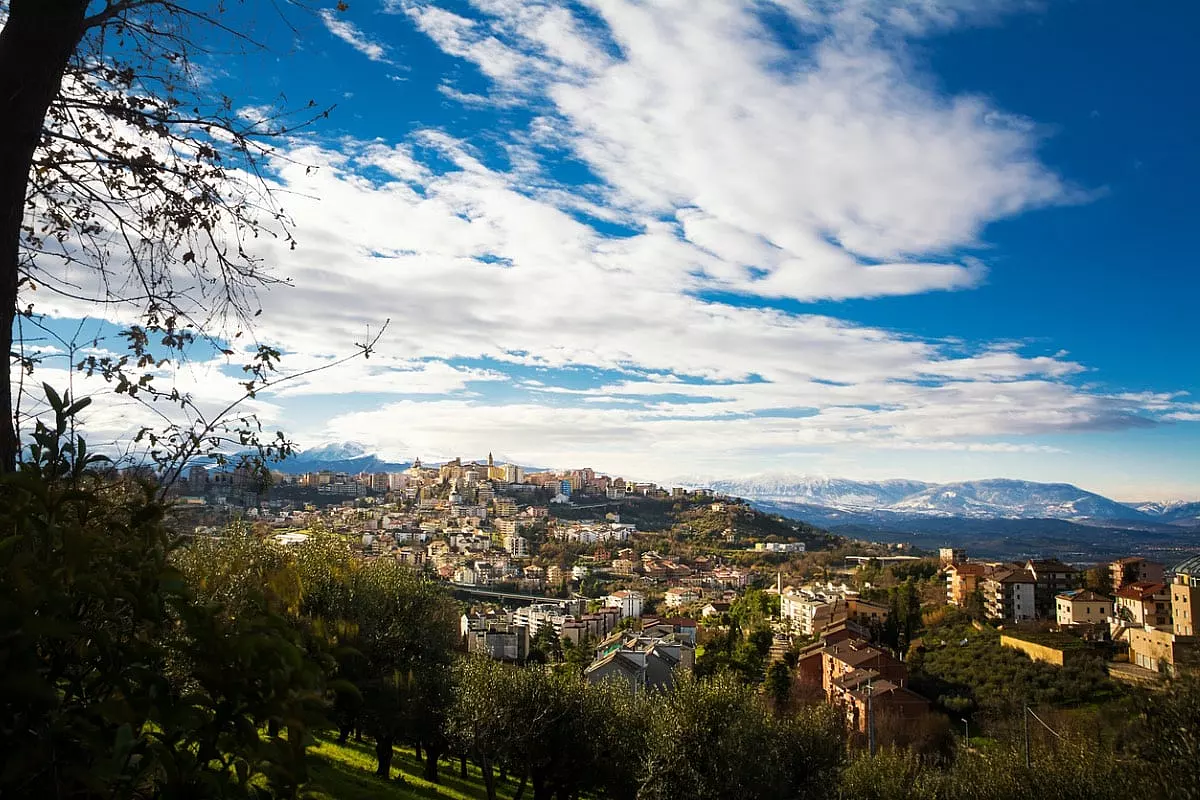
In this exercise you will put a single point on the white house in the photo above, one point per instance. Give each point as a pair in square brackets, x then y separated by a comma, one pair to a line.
[779, 547]
[517, 546]
[1009, 595]
[627, 601]
[681, 596]
[1081, 607]
[808, 615]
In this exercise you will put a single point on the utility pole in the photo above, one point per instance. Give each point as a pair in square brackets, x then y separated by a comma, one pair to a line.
[1028, 758]
[870, 720]
[966, 730]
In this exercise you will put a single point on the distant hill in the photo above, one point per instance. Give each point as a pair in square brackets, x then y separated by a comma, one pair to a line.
[1004, 538]
[350, 457]
[833, 492]
[1178, 512]
[997, 498]
[354, 457]
[999, 518]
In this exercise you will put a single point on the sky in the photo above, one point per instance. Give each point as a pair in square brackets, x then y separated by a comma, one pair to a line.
[932, 239]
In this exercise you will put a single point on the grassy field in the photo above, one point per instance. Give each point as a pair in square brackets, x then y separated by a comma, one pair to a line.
[347, 772]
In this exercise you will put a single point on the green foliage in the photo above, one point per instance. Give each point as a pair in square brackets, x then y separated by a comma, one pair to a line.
[755, 609]
[1072, 770]
[566, 735]
[545, 646]
[716, 739]
[120, 680]
[1166, 735]
[779, 685]
[728, 651]
[999, 681]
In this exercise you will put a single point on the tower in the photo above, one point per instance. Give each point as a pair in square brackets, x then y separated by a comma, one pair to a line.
[491, 463]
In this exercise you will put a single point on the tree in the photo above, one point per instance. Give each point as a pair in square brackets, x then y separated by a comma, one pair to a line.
[545, 646]
[481, 716]
[114, 158]
[396, 646]
[122, 678]
[715, 738]
[779, 685]
[1166, 735]
[577, 657]
[574, 736]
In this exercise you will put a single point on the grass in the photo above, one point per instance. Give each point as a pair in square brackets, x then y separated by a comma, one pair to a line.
[347, 772]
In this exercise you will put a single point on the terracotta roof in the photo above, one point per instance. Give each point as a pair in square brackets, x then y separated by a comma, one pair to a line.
[1014, 576]
[1141, 590]
[968, 569]
[855, 656]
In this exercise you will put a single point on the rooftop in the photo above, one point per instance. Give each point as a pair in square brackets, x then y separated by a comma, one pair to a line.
[1141, 590]
[1189, 566]
[1083, 596]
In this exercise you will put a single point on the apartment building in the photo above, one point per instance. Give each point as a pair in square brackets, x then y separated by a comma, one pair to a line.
[1134, 569]
[961, 582]
[1185, 597]
[1009, 595]
[1141, 604]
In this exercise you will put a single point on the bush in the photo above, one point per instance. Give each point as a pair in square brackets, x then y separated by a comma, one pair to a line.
[119, 680]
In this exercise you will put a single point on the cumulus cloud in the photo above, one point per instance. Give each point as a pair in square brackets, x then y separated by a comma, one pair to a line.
[730, 165]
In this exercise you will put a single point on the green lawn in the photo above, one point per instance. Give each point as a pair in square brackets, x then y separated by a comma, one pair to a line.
[347, 772]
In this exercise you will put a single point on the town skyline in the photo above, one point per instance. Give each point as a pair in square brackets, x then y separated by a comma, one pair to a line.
[353, 450]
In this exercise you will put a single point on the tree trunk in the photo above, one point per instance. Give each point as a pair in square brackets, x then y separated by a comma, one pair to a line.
[417, 749]
[489, 780]
[343, 734]
[540, 790]
[383, 753]
[35, 46]
[462, 766]
[521, 786]
[433, 752]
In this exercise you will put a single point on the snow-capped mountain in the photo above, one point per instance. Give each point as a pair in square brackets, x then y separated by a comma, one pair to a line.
[822, 491]
[336, 451]
[351, 457]
[1173, 512]
[985, 499]
[1002, 498]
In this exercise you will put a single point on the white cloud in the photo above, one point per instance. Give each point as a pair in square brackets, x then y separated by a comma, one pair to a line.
[349, 33]
[736, 166]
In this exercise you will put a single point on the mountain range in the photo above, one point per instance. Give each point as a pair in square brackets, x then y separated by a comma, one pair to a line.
[840, 500]
[1000, 517]
[997, 498]
[351, 457]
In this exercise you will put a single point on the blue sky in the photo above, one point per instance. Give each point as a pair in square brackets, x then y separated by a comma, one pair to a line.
[936, 239]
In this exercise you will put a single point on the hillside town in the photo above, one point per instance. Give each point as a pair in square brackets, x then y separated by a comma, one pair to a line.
[553, 565]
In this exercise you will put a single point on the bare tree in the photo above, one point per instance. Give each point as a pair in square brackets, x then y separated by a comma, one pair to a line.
[128, 186]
